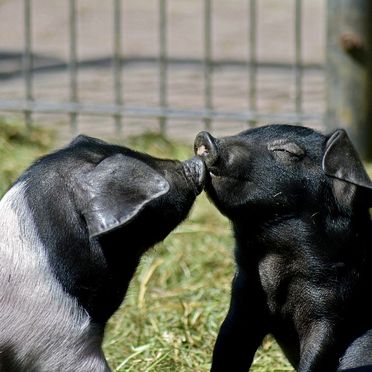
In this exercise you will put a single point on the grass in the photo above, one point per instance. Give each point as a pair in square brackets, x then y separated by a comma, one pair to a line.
[18, 148]
[180, 293]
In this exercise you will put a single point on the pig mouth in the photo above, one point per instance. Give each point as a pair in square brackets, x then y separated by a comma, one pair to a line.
[215, 173]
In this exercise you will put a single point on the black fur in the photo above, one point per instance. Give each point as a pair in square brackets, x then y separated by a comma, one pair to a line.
[298, 202]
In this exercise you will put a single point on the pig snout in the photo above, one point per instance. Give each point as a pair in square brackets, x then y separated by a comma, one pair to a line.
[195, 171]
[205, 146]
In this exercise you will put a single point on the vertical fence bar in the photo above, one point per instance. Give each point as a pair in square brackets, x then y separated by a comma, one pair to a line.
[27, 59]
[298, 56]
[73, 64]
[208, 60]
[349, 71]
[252, 62]
[117, 70]
[163, 63]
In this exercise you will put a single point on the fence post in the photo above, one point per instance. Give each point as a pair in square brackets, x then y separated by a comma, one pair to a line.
[349, 70]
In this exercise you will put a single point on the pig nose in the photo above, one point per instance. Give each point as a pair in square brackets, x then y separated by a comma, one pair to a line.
[195, 170]
[205, 145]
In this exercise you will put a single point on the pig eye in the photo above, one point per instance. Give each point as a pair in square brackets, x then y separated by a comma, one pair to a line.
[284, 149]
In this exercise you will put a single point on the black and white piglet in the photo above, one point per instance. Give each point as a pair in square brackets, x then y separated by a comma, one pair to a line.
[298, 202]
[72, 231]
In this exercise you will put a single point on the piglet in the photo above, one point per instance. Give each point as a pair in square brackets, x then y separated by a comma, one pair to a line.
[72, 232]
[299, 205]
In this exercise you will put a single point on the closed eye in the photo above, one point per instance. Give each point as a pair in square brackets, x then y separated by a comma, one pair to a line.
[290, 148]
[286, 152]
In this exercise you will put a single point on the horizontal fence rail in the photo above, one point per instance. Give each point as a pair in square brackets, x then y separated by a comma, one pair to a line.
[156, 112]
[164, 112]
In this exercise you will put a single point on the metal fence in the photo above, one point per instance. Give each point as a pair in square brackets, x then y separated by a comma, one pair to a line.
[163, 112]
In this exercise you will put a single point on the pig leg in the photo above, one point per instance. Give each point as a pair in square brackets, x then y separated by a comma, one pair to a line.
[318, 350]
[243, 329]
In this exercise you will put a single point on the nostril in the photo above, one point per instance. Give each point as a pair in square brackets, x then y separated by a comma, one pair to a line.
[202, 143]
[205, 146]
[201, 150]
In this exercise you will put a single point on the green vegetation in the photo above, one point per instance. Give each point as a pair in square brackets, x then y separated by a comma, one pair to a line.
[18, 148]
[369, 169]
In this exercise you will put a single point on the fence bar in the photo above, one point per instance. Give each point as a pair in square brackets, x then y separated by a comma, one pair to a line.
[89, 108]
[349, 71]
[117, 71]
[163, 63]
[298, 56]
[73, 64]
[208, 61]
[27, 59]
[252, 29]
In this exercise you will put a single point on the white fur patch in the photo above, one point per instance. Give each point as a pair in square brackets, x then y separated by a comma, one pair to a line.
[44, 328]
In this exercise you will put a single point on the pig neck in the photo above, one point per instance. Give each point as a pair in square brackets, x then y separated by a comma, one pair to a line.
[328, 237]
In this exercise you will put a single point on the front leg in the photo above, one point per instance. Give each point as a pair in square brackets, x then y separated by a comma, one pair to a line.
[320, 348]
[243, 329]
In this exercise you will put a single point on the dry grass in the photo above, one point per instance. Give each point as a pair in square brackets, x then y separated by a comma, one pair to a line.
[18, 148]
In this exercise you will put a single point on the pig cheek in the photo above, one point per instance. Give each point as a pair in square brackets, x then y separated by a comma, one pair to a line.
[229, 192]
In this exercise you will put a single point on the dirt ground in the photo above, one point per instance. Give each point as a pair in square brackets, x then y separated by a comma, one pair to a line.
[275, 38]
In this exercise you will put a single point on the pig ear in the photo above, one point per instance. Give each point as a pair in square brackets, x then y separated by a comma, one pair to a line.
[116, 191]
[342, 162]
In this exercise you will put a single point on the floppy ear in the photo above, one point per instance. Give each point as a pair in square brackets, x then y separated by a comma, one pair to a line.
[116, 191]
[342, 162]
